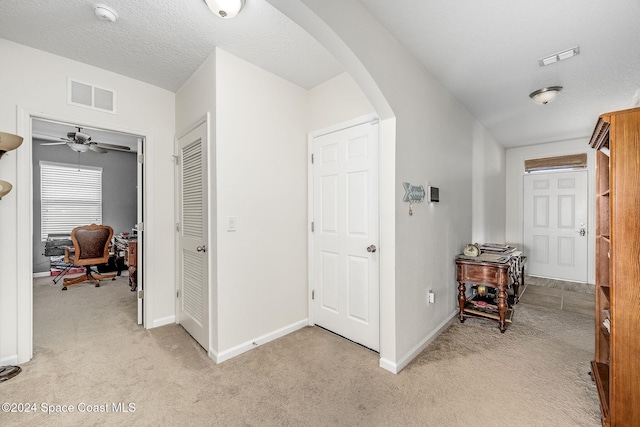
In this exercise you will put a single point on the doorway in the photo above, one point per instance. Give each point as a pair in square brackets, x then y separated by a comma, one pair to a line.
[555, 225]
[344, 258]
[27, 120]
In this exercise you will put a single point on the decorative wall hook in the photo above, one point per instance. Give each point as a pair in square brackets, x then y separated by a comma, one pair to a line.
[413, 194]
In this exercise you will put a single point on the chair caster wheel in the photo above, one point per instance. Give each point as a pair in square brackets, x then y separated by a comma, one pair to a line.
[113, 279]
[97, 285]
[64, 288]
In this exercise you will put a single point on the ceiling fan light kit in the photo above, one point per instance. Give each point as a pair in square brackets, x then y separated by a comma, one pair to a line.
[225, 9]
[545, 95]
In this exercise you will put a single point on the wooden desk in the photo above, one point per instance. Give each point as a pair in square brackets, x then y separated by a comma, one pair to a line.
[499, 272]
[127, 248]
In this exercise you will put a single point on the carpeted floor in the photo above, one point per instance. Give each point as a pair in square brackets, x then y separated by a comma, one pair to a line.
[89, 354]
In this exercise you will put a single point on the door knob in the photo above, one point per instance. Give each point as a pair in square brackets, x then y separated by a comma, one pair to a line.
[202, 248]
[371, 248]
[583, 230]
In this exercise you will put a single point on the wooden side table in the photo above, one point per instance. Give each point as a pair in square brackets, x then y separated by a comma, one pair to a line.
[500, 273]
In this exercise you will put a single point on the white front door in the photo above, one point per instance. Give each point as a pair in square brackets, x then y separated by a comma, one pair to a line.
[193, 294]
[345, 278]
[555, 225]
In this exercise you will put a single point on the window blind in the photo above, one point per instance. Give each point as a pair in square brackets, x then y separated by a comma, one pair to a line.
[70, 196]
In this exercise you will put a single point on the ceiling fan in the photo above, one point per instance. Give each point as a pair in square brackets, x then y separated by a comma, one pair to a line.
[81, 142]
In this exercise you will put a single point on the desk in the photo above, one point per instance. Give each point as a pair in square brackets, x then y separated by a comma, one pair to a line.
[494, 271]
[127, 249]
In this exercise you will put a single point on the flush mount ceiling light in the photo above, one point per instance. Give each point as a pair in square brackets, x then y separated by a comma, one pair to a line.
[545, 95]
[560, 56]
[105, 13]
[226, 9]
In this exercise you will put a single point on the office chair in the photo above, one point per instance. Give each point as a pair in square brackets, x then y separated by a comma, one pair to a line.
[90, 248]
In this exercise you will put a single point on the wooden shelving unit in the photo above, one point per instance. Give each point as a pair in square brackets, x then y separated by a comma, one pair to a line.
[616, 366]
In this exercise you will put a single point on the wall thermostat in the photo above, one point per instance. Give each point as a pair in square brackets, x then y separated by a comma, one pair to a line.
[433, 194]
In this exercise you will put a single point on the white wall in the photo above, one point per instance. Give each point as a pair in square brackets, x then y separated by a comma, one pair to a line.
[488, 184]
[515, 158]
[258, 146]
[37, 85]
[336, 101]
[261, 137]
[433, 145]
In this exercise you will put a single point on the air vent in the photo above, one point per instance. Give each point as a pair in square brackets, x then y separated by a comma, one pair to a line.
[90, 96]
[560, 56]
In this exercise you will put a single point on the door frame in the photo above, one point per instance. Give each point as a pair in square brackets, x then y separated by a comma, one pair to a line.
[368, 118]
[211, 243]
[24, 225]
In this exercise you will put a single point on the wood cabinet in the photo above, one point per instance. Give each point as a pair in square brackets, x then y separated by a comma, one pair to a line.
[616, 368]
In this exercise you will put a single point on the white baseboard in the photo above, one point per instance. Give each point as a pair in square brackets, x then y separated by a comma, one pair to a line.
[251, 344]
[396, 367]
[164, 321]
[10, 360]
[42, 274]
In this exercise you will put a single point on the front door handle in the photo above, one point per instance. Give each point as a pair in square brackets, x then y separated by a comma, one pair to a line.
[372, 248]
[202, 248]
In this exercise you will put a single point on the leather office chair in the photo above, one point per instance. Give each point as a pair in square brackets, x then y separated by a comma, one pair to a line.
[90, 248]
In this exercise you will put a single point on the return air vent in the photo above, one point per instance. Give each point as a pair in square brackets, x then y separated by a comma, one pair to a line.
[89, 96]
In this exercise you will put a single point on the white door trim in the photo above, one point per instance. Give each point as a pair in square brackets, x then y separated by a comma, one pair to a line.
[369, 118]
[24, 223]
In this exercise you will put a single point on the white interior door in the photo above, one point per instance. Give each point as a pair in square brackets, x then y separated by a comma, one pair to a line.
[345, 259]
[193, 294]
[555, 225]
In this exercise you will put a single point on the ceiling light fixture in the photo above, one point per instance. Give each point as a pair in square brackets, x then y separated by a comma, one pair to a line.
[545, 95]
[105, 13]
[565, 54]
[226, 9]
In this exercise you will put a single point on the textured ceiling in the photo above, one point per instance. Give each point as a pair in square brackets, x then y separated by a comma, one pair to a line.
[485, 53]
[163, 42]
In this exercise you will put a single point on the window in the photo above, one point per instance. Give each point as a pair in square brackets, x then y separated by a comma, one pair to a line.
[70, 196]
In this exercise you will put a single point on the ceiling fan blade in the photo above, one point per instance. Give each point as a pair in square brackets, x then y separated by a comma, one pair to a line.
[53, 143]
[113, 146]
[97, 149]
[49, 138]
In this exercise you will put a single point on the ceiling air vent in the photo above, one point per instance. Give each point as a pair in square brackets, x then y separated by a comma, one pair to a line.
[90, 96]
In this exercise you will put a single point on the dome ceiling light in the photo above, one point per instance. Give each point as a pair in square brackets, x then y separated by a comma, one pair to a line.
[225, 9]
[545, 95]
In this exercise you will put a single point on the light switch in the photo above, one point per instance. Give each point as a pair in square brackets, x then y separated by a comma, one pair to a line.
[232, 223]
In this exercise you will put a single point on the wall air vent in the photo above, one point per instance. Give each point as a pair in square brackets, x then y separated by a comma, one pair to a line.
[89, 96]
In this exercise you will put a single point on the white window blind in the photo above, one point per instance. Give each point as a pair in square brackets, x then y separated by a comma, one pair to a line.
[70, 196]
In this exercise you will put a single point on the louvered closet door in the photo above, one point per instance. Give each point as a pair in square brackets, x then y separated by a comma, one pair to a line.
[193, 228]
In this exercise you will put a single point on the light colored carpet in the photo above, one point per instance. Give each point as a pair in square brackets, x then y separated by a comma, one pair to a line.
[89, 351]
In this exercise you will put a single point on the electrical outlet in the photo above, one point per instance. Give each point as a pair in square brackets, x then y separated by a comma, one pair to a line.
[432, 297]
